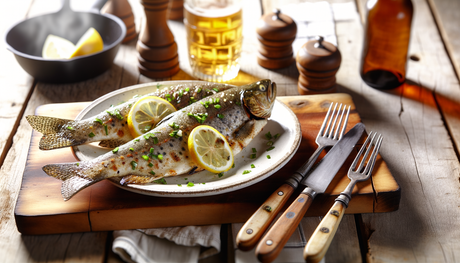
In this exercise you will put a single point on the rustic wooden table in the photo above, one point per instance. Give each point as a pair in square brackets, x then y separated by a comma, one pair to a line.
[420, 121]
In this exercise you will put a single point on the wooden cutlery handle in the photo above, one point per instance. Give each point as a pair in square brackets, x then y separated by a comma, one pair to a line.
[254, 228]
[278, 235]
[320, 240]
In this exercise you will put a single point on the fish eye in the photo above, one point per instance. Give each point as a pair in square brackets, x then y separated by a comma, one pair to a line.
[262, 87]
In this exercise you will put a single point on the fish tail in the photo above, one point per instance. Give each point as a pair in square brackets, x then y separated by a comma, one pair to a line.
[52, 129]
[46, 125]
[73, 178]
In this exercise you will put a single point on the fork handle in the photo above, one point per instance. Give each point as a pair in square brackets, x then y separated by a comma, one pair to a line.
[253, 229]
[320, 240]
[273, 242]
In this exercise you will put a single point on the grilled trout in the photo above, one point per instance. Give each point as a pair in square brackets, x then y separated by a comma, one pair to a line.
[110, 126]
[238, 113]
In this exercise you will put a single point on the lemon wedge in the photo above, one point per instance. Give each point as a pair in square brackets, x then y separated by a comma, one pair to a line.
[146, 113]
[209, 149]
[91, 42]
[57, 48]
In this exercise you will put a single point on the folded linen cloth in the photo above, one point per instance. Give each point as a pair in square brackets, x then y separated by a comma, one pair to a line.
[170, 244]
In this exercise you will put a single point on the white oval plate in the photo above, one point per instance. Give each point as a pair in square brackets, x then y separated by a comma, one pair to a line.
[282, 121]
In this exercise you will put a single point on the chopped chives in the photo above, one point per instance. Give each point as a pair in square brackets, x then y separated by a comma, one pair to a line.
[159, 181]
[268, 135]
[254, 150]
[115, 150]
[253, 156]
[220, 175]
[145, 157]
[199, 90]
[187, 89]
[215, 89]
[98, 120]
[160, 156]
[106, 131]
[217, 106]
[271, 148]
[246, 171]
[190, 184]
[150, 164]
[277, 136]
[69, 128]
[133, 165]
[253, 166]
[91, 135]
[269, 157]
[221, 116]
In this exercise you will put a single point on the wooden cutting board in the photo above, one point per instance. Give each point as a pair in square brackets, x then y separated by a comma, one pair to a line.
[40, 208]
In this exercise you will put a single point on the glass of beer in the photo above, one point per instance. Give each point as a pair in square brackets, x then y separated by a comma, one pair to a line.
[214, 38]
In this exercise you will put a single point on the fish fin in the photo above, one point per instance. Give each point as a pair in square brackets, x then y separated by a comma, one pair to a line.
[72, 177]
[249, 131]
[111, 143]
[46, 125]
[137, 179]
[167, 118]
[55, 141]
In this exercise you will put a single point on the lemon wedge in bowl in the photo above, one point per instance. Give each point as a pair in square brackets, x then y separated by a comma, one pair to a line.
[146, 113]
[209, 149]
[57, 48]
[91, 42]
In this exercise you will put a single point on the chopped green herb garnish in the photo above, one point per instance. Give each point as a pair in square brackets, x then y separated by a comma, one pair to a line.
[145, 157]
[238, 103]
[136, 140]
[133, 165]
[69, 128]
[246, 171]
[159, 181]
[199, 90]
[91, 135]
[220, 175]
[233, 166]
[179, 185]
[217, 100]
[253, 166]
[131, 149]
[253, 156]
[254, 150]
[98, 120]
[152, 150]
[215, 89]
[269, 157]
[106, 131]
[268, 135]
[270, 143]
[181, 93]
[190, 184]
[115, 150]
[271, 148]
[187, 89]
[118, 115]
[185, 178]
[160, 156]
[150, 164]
[217, 106]
[220, 116]
[78, 164]
[158, 85]
[277, 136]
[168, 97]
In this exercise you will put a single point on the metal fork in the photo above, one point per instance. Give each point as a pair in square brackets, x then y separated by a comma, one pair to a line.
[320, 240]
[331, 131]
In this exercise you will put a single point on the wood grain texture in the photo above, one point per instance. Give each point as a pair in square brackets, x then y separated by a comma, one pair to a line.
[420, 123]
[110, 208]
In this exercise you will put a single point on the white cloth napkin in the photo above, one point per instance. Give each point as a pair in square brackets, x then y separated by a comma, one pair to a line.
[170, 244]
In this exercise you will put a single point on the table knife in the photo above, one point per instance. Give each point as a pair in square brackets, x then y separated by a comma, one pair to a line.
[317, 182]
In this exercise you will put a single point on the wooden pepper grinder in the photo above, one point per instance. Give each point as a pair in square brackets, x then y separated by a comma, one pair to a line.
[176, 10]
[317, 61]
[122, 9]
[276, 32]
[157, 48]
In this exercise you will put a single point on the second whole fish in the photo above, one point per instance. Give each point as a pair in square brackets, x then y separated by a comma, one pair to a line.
[239, 114]
[110, 126]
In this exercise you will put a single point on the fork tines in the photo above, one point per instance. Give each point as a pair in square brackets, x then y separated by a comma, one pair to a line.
[373, 142]
[331, 125]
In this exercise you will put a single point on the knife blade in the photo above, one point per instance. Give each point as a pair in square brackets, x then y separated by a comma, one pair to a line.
[317, 182]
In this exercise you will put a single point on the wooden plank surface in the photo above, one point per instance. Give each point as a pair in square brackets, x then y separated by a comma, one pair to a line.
[41, 210]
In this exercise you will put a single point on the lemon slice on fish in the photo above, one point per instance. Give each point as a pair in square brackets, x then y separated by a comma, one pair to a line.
[209, 149]
[91, 42]
[146, 113]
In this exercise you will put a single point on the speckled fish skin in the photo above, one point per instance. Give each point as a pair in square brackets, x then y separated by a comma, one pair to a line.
[110, 126]
[138, 160]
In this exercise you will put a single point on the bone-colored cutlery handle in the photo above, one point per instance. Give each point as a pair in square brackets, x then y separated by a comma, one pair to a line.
[254, 228]
[320, 240]
[273, 242]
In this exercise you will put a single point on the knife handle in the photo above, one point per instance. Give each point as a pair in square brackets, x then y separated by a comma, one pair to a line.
[320, 240]
[278, 235]
[254, 228]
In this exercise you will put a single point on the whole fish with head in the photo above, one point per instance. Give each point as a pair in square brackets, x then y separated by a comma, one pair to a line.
[110, 127]
[239, 114]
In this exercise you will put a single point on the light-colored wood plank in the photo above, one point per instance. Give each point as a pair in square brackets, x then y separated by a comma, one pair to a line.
[417, 146]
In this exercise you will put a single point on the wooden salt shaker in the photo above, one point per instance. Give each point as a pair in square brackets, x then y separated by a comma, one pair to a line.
[276, 32]
[317, 61]
[176, 10]
[122, 9]
[157, 48]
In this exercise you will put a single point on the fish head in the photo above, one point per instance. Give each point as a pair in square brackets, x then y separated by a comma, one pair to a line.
[258, 98]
